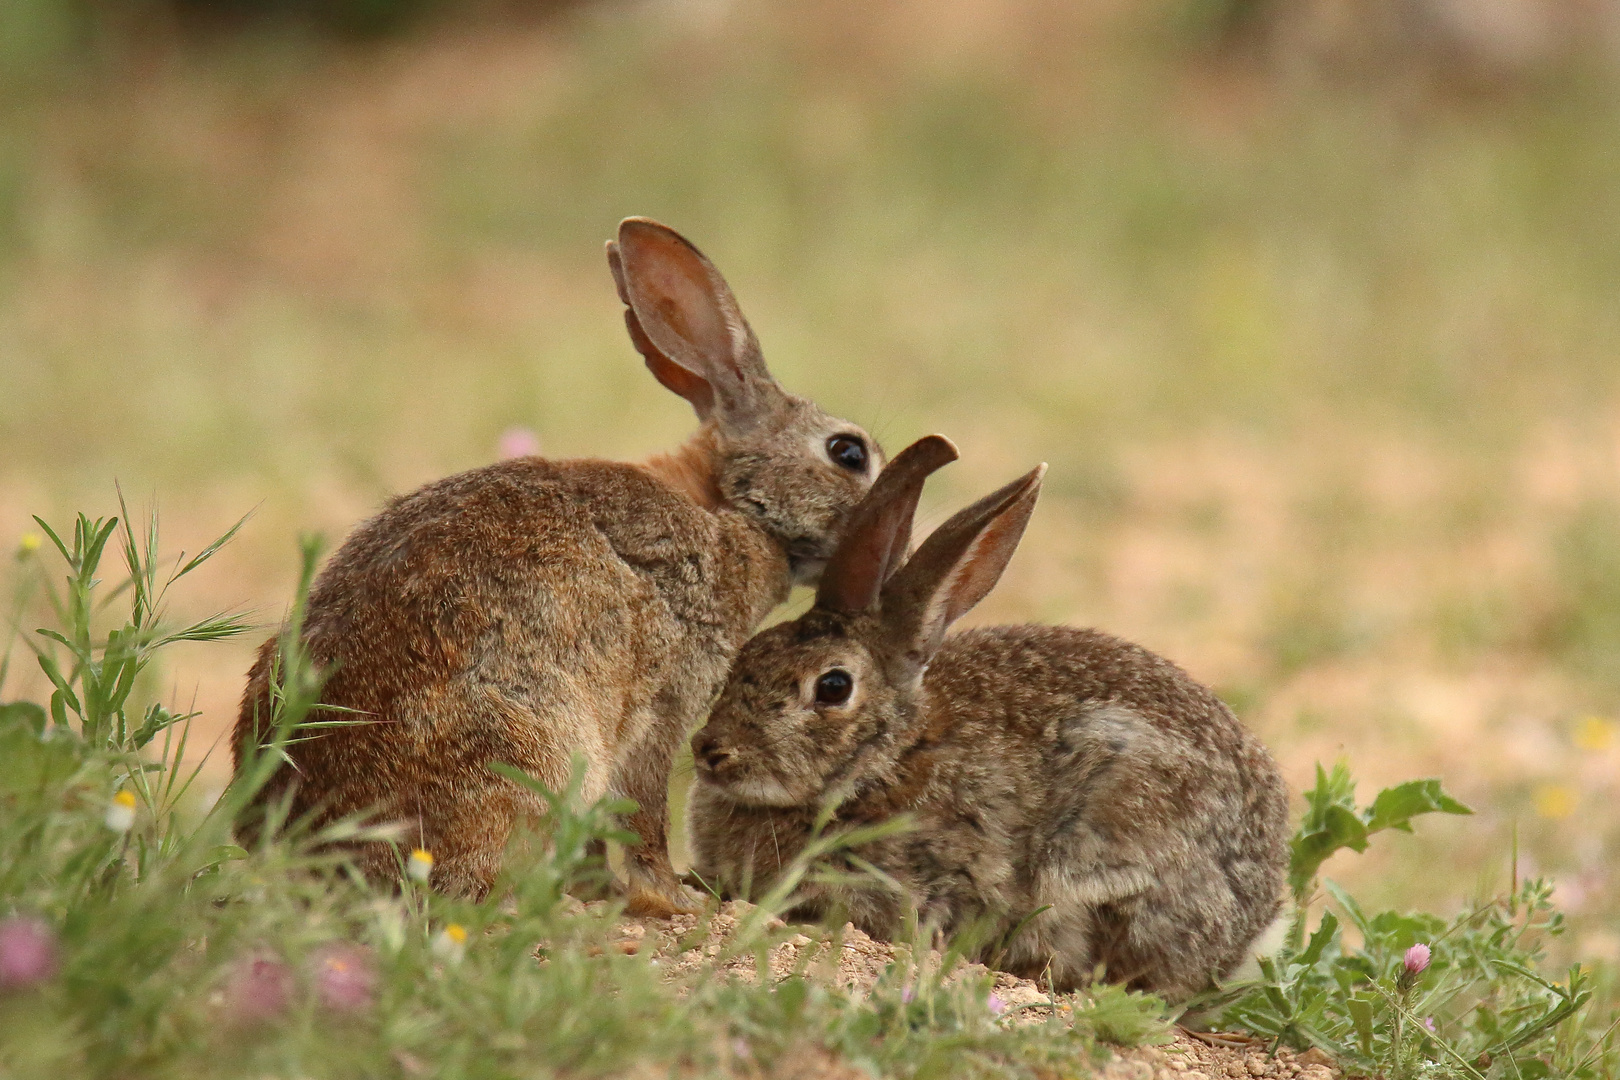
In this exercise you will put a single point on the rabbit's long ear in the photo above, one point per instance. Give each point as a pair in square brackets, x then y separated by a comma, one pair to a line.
[684, 321]
[879, 530]
[956, 567]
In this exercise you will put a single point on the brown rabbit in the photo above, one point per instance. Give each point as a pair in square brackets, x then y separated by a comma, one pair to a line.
[532, 610]
[1043, 766]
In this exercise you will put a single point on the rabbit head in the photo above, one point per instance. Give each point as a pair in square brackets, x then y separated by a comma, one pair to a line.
[817, 707]
[770, 455]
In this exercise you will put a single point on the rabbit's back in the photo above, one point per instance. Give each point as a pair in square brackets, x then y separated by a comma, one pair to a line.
[522, 612]
[1135, 803]
[530, 563]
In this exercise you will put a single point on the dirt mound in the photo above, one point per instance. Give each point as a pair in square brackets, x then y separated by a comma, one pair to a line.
[852, 960]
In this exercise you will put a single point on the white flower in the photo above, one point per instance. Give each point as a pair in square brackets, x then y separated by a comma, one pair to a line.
[420, 865]
[450, 944]
[121, 811]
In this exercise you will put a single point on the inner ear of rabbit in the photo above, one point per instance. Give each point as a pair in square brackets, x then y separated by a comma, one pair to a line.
[951, 571]
[685, 321]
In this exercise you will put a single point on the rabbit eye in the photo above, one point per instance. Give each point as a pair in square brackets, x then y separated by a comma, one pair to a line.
[848, 452]
[834, 687]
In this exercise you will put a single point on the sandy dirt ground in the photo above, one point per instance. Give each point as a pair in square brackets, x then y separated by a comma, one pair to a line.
[850, 959]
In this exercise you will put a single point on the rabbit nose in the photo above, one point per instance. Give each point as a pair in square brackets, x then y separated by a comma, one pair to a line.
[708, 751]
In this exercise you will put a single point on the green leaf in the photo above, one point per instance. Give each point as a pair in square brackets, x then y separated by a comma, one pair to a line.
[1336, 827]
[209, 551]
[1395, 806]
[1319, 940]
[1332, 789]
[622, 807]
[54, 636]
[1332, 822]
[218, 856]
[1351, 908]
[54, 673]
[57, 540]
[123, 683]
[1361, 1019]
[92, 553]
[1121, 1017]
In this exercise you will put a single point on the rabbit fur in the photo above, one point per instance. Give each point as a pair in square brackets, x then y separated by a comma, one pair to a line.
[1039, 765]
[532, 610]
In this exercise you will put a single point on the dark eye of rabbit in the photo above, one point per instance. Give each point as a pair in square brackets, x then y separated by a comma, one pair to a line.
[847, 452]
[834, 687]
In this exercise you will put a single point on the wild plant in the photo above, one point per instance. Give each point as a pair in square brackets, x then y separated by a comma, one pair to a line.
[1413, 994]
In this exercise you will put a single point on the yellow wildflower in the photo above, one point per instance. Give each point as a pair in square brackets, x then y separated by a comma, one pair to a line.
[420, 865]
[450, 944]
[121, 811]
[1595, 733]
[1557, 801]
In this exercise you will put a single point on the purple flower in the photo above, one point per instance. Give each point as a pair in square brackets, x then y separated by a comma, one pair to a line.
[996, 1005]
[518, 442]
[258, 988]
[906, 995]
[27, 951]
[345, 976]
[1428, 1023]
[1417, 958]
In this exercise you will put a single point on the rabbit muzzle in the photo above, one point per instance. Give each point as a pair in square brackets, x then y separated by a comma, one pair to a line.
[711, 757]
[725, 769]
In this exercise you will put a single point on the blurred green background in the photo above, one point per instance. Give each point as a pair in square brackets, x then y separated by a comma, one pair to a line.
[1313, 307]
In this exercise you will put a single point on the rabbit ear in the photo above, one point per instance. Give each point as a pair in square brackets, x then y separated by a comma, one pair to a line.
[879, 529]
[684, 321]
[957, 566]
